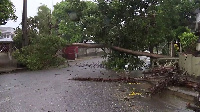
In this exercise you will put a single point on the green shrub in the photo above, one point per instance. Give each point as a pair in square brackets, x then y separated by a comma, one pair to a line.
[117, 61]
[41, 53]
[188, 41]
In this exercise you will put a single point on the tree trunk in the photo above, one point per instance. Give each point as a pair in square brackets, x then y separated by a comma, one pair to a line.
[151, 58]
[136, 53]
[172, 52]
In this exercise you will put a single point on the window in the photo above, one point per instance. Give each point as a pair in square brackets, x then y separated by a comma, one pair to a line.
[4, 36]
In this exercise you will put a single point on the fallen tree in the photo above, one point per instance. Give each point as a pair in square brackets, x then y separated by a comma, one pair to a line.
[136, 53]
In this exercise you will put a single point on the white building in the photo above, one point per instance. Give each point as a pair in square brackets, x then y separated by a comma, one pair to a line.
[7, 34]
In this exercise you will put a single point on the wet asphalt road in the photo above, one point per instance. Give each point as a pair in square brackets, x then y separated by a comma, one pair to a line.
[51, 91]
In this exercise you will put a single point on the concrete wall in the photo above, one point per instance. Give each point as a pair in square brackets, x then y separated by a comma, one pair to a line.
[190, 64]
[89, 51]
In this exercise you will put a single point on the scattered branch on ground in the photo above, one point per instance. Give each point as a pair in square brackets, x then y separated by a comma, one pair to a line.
[133, 80]
[164, 77]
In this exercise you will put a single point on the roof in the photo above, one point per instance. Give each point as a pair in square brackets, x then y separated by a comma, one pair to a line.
[7, 30]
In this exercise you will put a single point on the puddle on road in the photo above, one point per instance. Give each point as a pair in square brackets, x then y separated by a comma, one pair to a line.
[167, 101]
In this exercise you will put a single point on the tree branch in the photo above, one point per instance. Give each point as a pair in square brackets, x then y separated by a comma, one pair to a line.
[136, 53]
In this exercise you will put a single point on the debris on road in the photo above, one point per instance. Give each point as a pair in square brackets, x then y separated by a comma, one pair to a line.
[160, 78]
[130, 80]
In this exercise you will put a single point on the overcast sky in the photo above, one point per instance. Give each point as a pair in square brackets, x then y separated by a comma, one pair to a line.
[32, 9]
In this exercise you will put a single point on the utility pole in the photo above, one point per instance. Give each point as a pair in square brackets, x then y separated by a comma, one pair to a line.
[24, 24]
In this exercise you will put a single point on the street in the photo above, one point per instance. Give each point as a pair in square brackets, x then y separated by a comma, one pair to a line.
[51, 91]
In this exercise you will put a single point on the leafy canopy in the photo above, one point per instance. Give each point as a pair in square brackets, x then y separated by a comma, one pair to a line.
[133, 24]
[72, 18]
[7, 10]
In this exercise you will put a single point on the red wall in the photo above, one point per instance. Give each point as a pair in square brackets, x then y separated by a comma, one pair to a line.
[70, 52]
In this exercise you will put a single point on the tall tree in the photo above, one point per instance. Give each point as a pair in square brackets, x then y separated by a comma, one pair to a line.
[44, 19]
[7, 10]
[140, 25]
[70, 16]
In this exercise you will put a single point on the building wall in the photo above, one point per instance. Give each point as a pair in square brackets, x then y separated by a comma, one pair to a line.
[90, 51]
[190, 64]
[7, 34]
